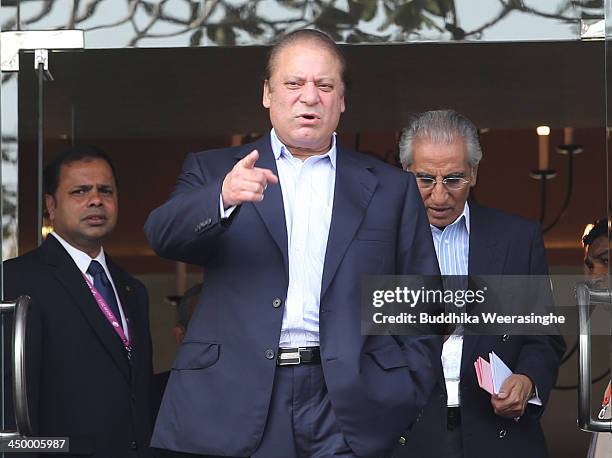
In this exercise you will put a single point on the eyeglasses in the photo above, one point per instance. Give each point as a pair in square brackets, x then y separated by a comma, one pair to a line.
[450, 183]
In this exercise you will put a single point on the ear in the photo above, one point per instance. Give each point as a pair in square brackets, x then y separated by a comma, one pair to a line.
[342, 104]
[50, 205]
[266, 94]
[474, 175]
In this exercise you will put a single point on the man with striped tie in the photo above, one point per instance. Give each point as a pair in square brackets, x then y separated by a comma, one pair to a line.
[461, 420]
[88, 346]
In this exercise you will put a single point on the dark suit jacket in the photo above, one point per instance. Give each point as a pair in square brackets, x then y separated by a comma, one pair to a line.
[80, 382]
[220, 388]
[500, 244]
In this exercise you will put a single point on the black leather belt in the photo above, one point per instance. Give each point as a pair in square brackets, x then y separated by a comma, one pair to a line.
[453, 418]
[298, 355]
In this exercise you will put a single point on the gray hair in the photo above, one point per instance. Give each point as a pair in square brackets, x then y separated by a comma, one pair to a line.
[440, 126]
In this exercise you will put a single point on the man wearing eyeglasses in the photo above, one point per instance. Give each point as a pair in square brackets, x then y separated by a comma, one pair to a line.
[461, 420]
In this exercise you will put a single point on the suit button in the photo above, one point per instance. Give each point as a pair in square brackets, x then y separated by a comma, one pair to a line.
[269, 353]
[402, 440]
[203, 225]
[133, 398]
[133, 445]
[502, 433]
[505, 338]
[276, 303]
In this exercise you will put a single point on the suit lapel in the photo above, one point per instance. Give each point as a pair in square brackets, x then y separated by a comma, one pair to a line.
[487, 256]
[355, 185]
[271, 209]
[68, 274]
[487, 253]
[467, 353]
[125, 293]
[127, 296]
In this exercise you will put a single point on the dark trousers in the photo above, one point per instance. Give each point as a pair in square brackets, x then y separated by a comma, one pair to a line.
[454, 443]
[301, 423]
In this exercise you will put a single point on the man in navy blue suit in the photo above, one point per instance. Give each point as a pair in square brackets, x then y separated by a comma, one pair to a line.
[88, 344]
[273, 363]
[462, 420]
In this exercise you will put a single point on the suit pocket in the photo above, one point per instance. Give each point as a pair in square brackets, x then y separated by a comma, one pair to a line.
[375, 235]
[389, 357]
[196, 355]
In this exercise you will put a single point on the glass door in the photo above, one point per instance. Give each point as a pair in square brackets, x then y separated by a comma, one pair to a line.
[594, 301]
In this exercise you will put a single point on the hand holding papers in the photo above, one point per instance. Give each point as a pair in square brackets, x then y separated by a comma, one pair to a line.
[509, 392]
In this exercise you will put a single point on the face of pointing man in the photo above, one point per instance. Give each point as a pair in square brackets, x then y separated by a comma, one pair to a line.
[305, 96]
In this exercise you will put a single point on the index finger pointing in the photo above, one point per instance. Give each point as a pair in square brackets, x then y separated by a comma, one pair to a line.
[269, 175]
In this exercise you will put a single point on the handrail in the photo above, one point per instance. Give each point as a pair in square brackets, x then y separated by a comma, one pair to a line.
[18, 367]
[585, 297]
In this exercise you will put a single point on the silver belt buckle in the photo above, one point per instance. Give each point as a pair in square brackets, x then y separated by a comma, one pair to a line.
[288, 358]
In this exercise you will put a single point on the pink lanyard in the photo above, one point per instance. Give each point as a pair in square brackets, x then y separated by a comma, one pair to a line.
[109, 315]
[605, 403]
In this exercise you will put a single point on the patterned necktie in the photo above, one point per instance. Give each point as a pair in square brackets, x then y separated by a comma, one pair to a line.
[104, 287]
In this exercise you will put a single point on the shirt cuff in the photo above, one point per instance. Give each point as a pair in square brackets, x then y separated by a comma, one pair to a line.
[223, 212]
[535, 400]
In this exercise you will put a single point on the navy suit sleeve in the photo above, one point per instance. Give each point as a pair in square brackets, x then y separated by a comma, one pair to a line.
[540, 355]
[416, 256]
[185, 226]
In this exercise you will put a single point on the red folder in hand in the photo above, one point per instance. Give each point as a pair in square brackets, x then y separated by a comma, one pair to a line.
[484, 375]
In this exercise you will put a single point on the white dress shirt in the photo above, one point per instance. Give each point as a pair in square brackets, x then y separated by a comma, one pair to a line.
[452, 249]
[82, 260]
[308, 196]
